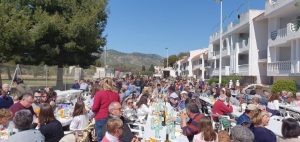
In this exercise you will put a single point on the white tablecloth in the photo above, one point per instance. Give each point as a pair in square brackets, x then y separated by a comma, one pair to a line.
[151, 133]
[68, 92]
[275, 124]
[65, 121]
[290, 107]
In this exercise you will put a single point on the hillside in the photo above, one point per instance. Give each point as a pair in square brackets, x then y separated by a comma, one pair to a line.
[130, 61]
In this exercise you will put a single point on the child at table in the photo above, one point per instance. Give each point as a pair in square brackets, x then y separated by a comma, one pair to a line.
[5, 116]
[80, 117]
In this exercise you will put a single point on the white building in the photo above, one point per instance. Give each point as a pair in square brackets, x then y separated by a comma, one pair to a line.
[200, 64]
[244, 48]
[193, 65]
[283, 39]
[158, 71]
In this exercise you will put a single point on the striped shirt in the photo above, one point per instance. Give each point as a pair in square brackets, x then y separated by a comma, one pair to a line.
[192, 128]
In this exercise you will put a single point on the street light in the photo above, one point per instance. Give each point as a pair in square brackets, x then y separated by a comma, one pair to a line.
[167, 56]
[221, 43]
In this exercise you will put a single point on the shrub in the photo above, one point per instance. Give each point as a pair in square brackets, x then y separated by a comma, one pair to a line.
[287, 85]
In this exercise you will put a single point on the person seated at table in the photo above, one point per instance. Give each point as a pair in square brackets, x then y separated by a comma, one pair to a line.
[245, 118]
[24, 103]
[290, 98]
[48, 125]
[37, 100]
[184, 99]
[5, 100]
[241, 134]
[232, 99]
[290, 130]
[191, 127]
[207, 133]
[215, 92]
[76, 85]
[114, 130]
[223, 136]
[173, 100]
[22, 121]
[261, 133]
[80, 117]
[115, 111]
[129, 110]
[256, 100]
[5, 116]
[273, 104]
[220, 108]
[284, 96]
[142, 107]
[297, 101]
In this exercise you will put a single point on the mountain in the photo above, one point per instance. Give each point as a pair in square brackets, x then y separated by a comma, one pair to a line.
[130, 61]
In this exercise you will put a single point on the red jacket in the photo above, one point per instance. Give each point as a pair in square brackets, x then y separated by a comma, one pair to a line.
[102, 100]
[220, 108]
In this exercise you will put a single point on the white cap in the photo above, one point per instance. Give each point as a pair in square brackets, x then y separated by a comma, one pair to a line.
[173, 95]
[183, 92]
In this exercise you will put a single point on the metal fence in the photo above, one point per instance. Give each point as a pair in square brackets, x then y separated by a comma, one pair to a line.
[42, 75]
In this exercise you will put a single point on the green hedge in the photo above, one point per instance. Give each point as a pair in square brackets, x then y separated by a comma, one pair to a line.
[287, 85]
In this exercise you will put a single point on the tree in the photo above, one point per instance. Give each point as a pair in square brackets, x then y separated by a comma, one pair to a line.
[52, 32]
[143, 68]
[172, 60]
[151, 68]
[183, 54]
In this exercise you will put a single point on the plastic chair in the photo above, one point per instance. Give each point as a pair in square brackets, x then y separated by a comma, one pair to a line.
[137, 128]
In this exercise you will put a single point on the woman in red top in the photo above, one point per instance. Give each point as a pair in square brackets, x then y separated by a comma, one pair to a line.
[102, 100]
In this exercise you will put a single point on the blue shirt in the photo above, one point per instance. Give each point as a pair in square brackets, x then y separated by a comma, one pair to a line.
[242, 119]
[262, 134]
[6, 102]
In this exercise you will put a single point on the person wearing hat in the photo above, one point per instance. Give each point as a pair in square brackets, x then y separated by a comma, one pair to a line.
[173, 99]
[241, 134]
[184, 100]
[245, 118]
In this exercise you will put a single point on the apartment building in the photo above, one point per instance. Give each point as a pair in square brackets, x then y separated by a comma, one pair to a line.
[200, 64]
[194, 65]
[283, 39]
[244, 49]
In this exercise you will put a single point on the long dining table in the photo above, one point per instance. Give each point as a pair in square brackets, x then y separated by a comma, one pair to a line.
[275, 122]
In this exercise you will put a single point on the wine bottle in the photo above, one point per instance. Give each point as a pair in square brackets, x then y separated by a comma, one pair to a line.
[167, 138]
[163, 123]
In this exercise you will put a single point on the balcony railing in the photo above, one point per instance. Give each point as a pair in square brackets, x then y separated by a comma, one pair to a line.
[280, 33]
[280, 67]
[224, 71]
[288, 32]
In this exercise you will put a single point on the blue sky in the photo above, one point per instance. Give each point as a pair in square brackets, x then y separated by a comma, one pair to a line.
[150, 26]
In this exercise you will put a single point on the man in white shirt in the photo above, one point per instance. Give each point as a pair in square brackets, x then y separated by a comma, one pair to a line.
[83, 85]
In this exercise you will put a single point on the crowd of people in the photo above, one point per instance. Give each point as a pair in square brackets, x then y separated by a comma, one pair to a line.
[116, 103]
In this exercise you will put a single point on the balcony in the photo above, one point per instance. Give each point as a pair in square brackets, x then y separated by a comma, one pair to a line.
[280, 36]
[198, 66]
[224, 71]
[279, 68]
[273, 5]
[244, 70]
[243, 45]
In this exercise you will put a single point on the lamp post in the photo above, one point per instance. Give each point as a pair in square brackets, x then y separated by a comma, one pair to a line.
[167, 56]
[221, 43]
